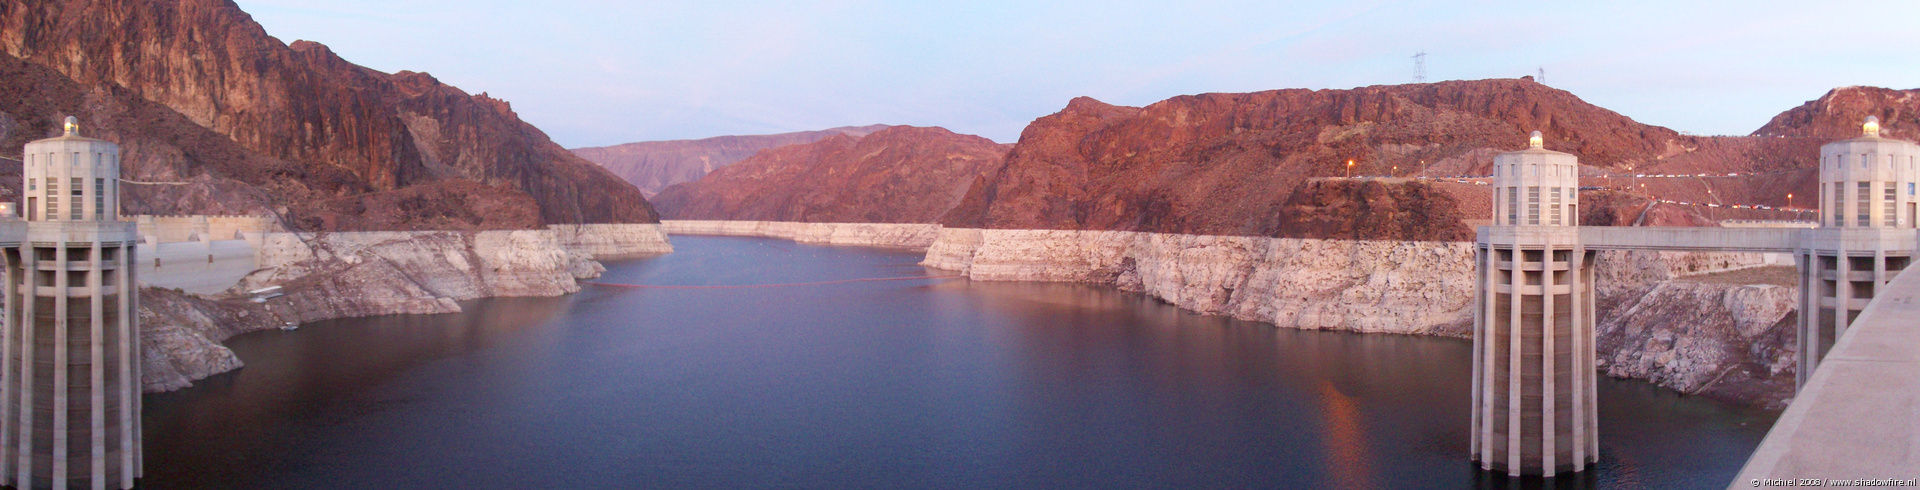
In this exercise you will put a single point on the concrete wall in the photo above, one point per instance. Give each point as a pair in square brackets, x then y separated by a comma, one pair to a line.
[185, 228]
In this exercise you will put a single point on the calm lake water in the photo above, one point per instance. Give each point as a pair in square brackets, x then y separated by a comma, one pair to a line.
[915, 383]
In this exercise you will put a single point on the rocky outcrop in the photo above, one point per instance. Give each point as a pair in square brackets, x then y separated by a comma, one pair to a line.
[901, 174]
[654, 165]
[351, 274]
[334, 145]
[1838, 114]
[180, 336]
[1718, 324]
[605, 241]
[891, 235]
[1225, 164]
[156, 143]
[1378, 209]
[1659, 320]
[1229, 163]
[1367, 286]
[1615, 208]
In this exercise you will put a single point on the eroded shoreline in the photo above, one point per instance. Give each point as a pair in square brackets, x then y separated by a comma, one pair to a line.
[356, 274]
[1658, 323]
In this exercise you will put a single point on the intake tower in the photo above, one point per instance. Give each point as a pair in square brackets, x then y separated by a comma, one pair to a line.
[70, 400]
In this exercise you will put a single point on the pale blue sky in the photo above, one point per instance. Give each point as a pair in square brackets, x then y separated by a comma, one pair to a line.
[606, 72]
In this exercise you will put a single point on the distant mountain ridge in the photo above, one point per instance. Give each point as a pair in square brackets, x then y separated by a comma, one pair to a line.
[654, 165]
[330, 144]
[1245, 163]
[901, 174]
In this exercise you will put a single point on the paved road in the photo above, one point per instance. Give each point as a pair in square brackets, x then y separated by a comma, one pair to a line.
[184, 265]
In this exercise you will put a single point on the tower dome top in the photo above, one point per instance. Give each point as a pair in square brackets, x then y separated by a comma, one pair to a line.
[1871, 127]
[1535, 141]
[72, 126]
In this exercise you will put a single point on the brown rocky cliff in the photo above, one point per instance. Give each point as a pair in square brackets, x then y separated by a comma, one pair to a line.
[209, 62]
[1839, 113]
[157, 144]
[1372, 210]
[901, 174]
[1227, 163]
[654, 165]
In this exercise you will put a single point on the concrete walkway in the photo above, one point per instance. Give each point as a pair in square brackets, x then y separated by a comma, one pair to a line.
[184, 265]
[1859, 416]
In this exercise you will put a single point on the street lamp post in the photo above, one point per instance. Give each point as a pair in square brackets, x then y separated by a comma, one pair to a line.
[1349, 168]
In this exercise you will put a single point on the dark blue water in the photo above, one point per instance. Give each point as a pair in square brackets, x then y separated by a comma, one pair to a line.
[922, 383]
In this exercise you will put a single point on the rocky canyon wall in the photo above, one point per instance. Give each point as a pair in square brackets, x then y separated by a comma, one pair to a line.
[605, 241]
[1664, 317]
[654, 165]
[1361, 285]
[180, 336]
[353, 274]
[891, 235]
[1718, 324]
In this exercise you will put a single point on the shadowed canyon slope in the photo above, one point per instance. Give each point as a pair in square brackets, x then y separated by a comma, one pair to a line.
[901, 174]
[654, 165]
[199, 93]
[1241, 164]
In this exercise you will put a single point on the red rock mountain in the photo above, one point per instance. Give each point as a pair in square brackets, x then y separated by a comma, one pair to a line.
[1838, 114]
[901, 174]
[654, 165]
[1240, 164]
[198, 92]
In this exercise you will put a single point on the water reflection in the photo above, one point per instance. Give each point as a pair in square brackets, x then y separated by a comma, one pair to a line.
[1344, 441]
[931, 383]
[317, 377]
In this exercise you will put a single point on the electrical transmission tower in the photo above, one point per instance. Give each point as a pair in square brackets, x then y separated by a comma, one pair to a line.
[1420, 67]
[1541, 76]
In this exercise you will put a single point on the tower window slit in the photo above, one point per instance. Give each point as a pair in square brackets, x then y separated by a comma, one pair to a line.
[79, 185]
[1553, 207]
[1513, 205]
[1891, 207]
[1533, 205]
[1863, 204]
[53, 199]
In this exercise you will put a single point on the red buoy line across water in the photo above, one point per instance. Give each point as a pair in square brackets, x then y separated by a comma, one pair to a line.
[780, 285]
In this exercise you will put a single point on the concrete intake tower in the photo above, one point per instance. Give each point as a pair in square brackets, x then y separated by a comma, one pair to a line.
[70, 400]
[1534, 317]
[1533, 357]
